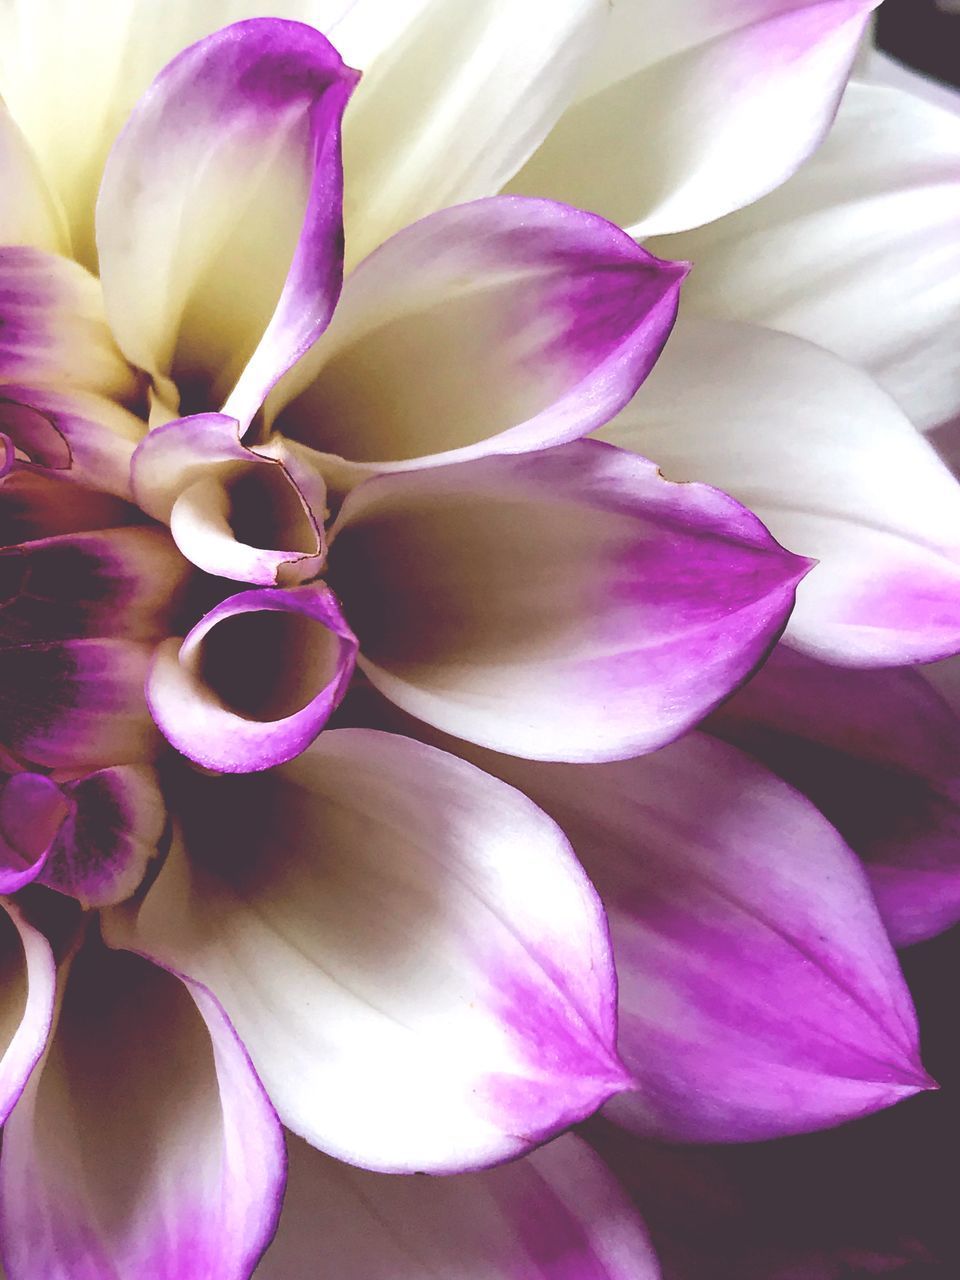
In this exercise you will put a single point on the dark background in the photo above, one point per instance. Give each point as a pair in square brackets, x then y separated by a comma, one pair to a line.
[921, 35]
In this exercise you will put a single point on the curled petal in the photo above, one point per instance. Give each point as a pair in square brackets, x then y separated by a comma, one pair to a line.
[556, 313]
[878, 752]
[832, 467]
[415, 960]
[229, 506]
[255, 680]
[570, 604]
[28, 986]
[114, 582]
[54, 328]
[558, 1212]
[144, 1144]
[759, 994]
[81, 435]
[116, 826]
[698, 110]
[78, 703]
[799, 261]
[219, 217]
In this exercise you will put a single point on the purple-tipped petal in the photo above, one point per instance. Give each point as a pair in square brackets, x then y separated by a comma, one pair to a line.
[122, 583]
[759, 994]
[558, 1214]
[219, 223]
[878, 752]
[392, 929]
[77, 704]
[570, 604]
[256, 679]
[698, 108]
[116, 826]
[32, 809]
[54, 328]
[555, 313]
[80, 435]
[28, 983]
[144, 1145]
[229, 507]
[833, 468]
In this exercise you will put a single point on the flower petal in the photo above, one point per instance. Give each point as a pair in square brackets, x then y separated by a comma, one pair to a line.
[83, 436]
[555, 313]
[219, 217]
[125, 583]
[759, 995]
[700, 109]
[455, 102]
[116, 826]
[557, 1213]
[32, 809]
[570, 604]
[799, 260]
[35, 505]
[878, 752]
[29, 215]
[415, 960]
[54, 328]
[144, 1145]
[28, 983]
[834, 469]
[77, 704]
[71, 83]
[228, 506]
[255, 680]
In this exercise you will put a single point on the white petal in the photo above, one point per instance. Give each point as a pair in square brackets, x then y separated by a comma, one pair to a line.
[859, 252]
[456, 103]
[702, 112]
[414, 959]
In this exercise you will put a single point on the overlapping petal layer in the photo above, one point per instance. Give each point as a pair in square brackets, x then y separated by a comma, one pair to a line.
[219, 222]
[859, 252]
[30, 215]
[54, 329]
[759, 994]
[144, 1145]
[879, 753]
[557, 1213]
[570, 604]
[834, 469]
[71, 83]
[453, 100]
[414, 958]
[698, 108]
[554, 313]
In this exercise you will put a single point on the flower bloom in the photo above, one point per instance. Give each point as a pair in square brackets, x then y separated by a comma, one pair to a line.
[240, 483]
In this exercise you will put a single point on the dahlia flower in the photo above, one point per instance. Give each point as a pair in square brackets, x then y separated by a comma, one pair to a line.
[329, 636]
